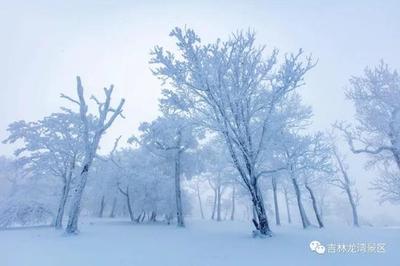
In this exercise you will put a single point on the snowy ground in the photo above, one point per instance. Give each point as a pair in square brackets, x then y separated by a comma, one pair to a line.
[202, 243]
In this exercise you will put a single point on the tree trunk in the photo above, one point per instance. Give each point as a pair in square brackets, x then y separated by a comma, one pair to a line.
[153, 217]
[67, 177]
[61, 206]
[274, 189]
[199, 199]
[102, 205]
[128, 201]
[233, 203]
[346, 187]
[304, 220]
[138, 219]
[127, 196]
[214, 205]
[314, 204]
[219, 203]
[72, 226]
[114, 205]
[178, 193]
[287, 206]
[262, 224]
[142, 217]
[353, 207]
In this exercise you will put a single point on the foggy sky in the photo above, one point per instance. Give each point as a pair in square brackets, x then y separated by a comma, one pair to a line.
[45, 44]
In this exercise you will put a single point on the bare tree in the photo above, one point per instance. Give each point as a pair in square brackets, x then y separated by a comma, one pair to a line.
[91, 137]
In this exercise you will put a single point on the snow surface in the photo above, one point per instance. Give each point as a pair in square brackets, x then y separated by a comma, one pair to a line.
[117, 243]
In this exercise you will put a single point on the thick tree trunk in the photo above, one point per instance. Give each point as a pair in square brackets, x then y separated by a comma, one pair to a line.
[274, 189]
[261, 224]
[102, 205]
[233, 203]
[304, 219]
[314, 204]
[178, 192]
[72, 226]
[287, 206]
[219, 203]
[199, 199]
[114, 205]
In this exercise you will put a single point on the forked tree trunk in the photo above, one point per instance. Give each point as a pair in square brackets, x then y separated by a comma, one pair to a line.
[274, 189]
[304, 219]
[91, 145]
[315, 207]
[127, 196]
[233, 203]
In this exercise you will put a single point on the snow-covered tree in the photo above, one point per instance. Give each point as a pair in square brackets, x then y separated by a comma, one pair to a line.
[343, 181]
[376, 97]
[388, 185]
[275, 178]
[286, 188]
[91, 138]
[306, 156]
[51, 146]
[170, 136]
[233, 88]
[219, 172]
